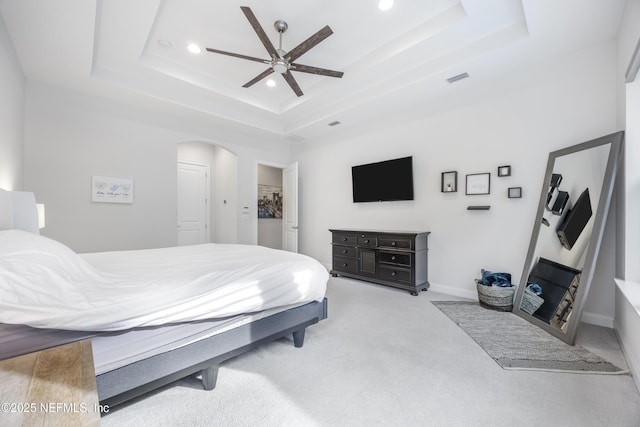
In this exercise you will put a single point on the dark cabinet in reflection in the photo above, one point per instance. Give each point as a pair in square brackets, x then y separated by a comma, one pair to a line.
[559, 285]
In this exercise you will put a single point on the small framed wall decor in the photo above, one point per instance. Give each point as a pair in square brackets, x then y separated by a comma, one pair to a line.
[504, 170]
[478, 183]
[105, 189]
[449, 182]
[514, 192]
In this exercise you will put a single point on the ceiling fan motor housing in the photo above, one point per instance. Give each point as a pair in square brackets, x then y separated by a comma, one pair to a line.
[280, 26]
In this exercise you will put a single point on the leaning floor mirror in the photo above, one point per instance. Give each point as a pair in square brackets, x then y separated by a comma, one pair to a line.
[567, 233]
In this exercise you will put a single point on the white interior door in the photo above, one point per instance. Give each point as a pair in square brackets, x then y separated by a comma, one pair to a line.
[193, 218]
[290, 207]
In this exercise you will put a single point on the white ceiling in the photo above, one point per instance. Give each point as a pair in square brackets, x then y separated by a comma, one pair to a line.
[393, 62]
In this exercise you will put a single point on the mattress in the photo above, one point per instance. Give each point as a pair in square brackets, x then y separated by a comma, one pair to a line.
[114, 350]
[44, 284]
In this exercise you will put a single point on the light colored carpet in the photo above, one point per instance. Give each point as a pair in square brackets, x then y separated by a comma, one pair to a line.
[386, 358]
[515, 343]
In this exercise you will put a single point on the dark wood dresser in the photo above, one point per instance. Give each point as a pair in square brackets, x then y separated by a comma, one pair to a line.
[393, 258]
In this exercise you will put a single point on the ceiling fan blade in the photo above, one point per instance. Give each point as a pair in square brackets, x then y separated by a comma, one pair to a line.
[259, 77]
[292, 82]
[303, 47]
[316, 70]
[260, 32]
[237, 55]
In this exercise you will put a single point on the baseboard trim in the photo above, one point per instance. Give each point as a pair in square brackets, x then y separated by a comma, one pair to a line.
[450, 290]
[597, 319]
[591, 318]
[626, 323]
[630, 358]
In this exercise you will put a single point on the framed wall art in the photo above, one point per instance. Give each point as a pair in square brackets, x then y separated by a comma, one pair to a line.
[106, 189]
[514, 192]
[478, 183]
[449, 182]
[504, 170]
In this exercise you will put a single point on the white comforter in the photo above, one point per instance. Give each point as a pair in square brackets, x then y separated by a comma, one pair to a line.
[45, 284]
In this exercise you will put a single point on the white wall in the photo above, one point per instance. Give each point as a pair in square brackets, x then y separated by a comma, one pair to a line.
[69, 137]
[225, 197]
[12, 87]
[564, 103]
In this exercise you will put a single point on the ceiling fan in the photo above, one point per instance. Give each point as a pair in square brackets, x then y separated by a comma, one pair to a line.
[281, 61]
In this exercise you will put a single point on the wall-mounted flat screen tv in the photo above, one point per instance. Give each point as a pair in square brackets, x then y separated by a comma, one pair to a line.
[383, 181]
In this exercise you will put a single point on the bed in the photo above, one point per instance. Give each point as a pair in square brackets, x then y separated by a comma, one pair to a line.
[153, 316]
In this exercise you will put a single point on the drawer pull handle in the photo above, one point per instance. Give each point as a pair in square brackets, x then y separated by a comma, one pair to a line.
[345, 264]
[366, 241]
[393, 243]
[346, 251]
[393, 258]
[393, 274]
[344, 239]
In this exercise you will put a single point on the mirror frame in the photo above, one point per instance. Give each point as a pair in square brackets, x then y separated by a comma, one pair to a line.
[616, 141]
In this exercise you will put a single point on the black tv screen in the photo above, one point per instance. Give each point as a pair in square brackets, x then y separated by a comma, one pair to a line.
[383, 181]
[575, 221]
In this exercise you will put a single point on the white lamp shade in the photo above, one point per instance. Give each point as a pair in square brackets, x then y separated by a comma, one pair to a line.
[41, 221]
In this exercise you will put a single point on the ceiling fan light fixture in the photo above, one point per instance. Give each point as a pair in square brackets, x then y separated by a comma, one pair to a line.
[280, 65]
[194, 48]
[271, 83]
[385, 4]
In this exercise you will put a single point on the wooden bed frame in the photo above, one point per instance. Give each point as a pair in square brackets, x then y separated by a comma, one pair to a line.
[18, 210]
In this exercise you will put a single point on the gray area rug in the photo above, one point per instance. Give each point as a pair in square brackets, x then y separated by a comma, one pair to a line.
[514, 343]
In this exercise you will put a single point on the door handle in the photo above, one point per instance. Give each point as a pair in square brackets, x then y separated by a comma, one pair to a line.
[295, 227]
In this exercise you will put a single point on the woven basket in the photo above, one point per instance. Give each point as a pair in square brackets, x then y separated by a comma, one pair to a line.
[530, 302]
[496, 297]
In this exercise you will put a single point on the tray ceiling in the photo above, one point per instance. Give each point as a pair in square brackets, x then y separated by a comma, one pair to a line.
[394, 62]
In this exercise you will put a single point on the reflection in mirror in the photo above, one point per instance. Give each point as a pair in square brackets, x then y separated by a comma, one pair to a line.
[565, 242]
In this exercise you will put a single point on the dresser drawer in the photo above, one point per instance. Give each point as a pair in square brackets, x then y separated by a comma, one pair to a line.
[395, 242]
[395, 274]
[347, 239]
[345, 265]
[367, 240]
[395, 258]
[344, 251]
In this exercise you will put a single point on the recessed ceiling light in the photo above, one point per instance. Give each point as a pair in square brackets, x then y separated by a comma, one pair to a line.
[194, 48]
[271, 83]
[164, 43]
[385, 4]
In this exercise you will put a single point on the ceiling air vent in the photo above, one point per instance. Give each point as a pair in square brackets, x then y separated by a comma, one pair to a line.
[458, 77]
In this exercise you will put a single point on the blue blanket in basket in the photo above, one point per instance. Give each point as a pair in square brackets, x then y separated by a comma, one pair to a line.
[495, 279]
